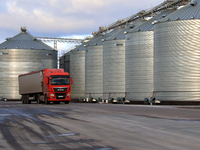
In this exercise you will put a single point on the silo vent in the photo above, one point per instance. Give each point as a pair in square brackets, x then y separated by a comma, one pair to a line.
[23, 29]
[194, 3]
[192, 18]
[125, 32]
[155, 22]
[168, 19]
[103, 40]
[138, 30]
[114, 38]
[7, 39]
[178, 18]
[131, 26]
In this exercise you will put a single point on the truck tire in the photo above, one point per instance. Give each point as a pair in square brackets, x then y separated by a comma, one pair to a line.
[46, 100]
[38, 98]
[66, 102]
[27, 99]
[22, 99]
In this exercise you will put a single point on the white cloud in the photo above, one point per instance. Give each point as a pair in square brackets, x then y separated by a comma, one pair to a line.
[66, 17]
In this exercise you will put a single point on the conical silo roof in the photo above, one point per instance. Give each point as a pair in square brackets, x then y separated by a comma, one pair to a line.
[120, 34]
[190, 11]
[24, 41]
[148, 25]
[104, 37]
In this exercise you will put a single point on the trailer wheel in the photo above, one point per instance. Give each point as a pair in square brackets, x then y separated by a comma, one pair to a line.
[27, 99]
[38, 99]
[46, 100]
[22, 99]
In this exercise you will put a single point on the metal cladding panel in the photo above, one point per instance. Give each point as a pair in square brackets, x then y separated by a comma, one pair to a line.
[114, 68]
[94, 71]
[177, 60]
[14, 62]
[139, 65]
[77, 72]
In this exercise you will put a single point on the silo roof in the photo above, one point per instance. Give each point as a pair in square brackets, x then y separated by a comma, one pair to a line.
[148, 25]
[190, 11]
[120, 34]
[100, 40]
[83, 45]
[24, 41]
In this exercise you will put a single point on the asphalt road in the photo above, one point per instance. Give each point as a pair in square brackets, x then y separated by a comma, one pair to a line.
[97, 127]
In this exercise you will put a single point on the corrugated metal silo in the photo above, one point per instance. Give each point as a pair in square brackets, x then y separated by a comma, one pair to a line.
[94, 72]
[139, 59]
[177, 55]
[61, 62]
[65, 62]
[22, 54]
[94, 66]
[77, 69]
[114, 64]
[77, 72]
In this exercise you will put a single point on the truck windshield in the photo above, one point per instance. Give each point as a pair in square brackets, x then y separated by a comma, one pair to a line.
[59, 80]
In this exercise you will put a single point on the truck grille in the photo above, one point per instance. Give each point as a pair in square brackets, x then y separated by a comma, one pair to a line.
[60, 95]
[60, 89]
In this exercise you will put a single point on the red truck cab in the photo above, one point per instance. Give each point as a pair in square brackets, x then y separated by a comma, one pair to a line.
[57, 86]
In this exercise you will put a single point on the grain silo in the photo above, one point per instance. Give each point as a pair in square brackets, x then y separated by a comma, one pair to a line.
[61, 62]
[114, 64]
[177, 55]
[65, 62]
[139, 59]
[94, 65]
[21, 54]
[77, 70]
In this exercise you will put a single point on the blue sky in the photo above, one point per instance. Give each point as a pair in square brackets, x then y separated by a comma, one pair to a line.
[65, 18]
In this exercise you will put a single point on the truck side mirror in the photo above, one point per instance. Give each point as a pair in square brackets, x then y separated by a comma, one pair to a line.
[71, 80]
[47, 80]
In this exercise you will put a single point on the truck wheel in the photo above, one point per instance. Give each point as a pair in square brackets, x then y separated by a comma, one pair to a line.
[38, 99]
[66, 102]
[46, 100]
[27, 99]
[22, 99]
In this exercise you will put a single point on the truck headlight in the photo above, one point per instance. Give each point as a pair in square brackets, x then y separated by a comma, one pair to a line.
[52, 95]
